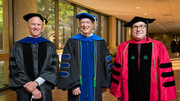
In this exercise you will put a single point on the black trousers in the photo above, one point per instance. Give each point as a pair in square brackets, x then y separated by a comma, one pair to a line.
[23, 95]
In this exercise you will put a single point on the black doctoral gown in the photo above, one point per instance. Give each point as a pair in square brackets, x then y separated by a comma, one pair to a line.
[32, 58]
[83, 57]
[173, 46]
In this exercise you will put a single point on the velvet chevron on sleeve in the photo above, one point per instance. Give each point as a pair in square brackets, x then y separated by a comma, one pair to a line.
[32, 58]
[85, 63]
[143, 71]
[69, 71]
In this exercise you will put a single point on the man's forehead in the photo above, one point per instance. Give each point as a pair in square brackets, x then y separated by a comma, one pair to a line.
[139, 23]
[85, 19]
[35, 18]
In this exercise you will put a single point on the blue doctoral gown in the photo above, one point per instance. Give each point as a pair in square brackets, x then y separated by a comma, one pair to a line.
[89, 61]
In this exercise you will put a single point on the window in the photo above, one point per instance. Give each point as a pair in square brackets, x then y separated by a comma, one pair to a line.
[2, 83]
[66, 22]
[123, 32]
[47, 9]
[80, 10]
[118, 32]
[2, 62]
[1, 26]
[95, 30]
[104, 28]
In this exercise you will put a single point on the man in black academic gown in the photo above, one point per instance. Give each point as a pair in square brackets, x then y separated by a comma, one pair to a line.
[173, 46]
[33, 63]
[86, 63]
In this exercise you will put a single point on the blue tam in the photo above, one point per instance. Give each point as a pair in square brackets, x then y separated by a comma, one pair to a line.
[86, 15]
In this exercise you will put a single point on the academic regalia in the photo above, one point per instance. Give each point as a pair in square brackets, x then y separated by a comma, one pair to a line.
[143, 72]
[85, 63]
[30, 15]
[32, 58]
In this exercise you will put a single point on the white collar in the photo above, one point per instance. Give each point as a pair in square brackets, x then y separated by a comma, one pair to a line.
[31, 36]
[86, 36]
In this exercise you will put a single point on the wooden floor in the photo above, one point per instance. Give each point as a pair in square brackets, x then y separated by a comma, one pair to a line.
[59, 95]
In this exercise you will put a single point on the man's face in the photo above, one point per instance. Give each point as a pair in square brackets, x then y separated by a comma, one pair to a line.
[139, 30]
[86, 26]
[35, 26]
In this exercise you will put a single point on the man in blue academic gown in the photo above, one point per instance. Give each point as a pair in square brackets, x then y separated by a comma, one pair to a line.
[33, 63]
[86, 63]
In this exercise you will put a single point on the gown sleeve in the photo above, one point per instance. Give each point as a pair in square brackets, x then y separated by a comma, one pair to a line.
[17, 76]
[107, 67]
[49, 73]
[116, 82]
[166, 75]
[69, 71]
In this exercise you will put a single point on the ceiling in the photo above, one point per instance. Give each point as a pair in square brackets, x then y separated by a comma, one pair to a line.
[166, 12]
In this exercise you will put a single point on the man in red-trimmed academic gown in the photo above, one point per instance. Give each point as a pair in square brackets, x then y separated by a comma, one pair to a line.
[142, 69]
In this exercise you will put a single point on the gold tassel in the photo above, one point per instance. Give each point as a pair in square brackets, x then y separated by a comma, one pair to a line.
[95, 22]
[44, 24]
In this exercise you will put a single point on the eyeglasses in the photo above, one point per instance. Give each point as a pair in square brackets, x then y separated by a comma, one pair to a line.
[140, 27]
[87, 22]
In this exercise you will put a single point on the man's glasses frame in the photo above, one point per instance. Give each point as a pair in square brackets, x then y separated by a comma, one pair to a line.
[140, 27]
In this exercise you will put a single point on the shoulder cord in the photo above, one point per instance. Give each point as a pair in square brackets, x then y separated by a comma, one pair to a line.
[123, 59]
[155, 67]
[124, 53]
[80, 63]
[94, 63]
[95, 55]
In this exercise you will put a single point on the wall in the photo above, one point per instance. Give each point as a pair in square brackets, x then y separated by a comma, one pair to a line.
[112, 34]
[22, 7]
[165, 38]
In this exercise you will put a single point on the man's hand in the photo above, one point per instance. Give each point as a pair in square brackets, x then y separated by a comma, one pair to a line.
[31, 86]
[76, 91]
[37, 94]
[103, 89]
